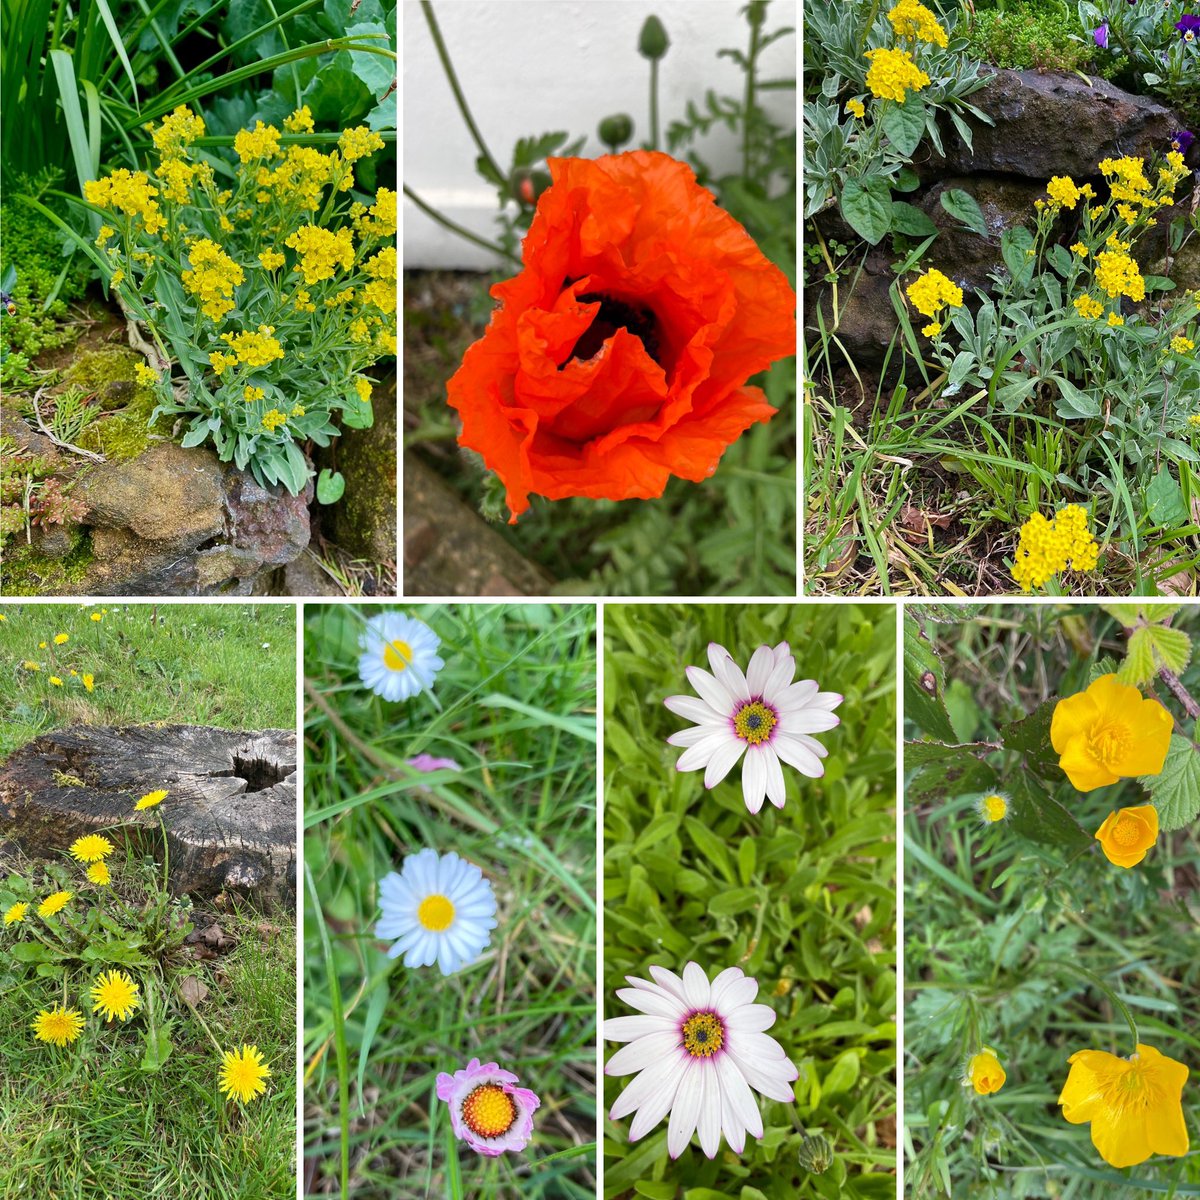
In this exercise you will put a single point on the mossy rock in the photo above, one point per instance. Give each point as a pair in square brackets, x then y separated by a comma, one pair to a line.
[29, 572]
[109, 373]
[364, 520]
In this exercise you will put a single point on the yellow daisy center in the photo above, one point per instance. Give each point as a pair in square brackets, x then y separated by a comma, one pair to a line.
[995, 808]
[753, 722]
[435, 913]
[397, 655]
[489, 1111]
[703, 1034]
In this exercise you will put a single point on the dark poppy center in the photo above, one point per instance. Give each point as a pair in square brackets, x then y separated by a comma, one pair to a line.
[613, 315]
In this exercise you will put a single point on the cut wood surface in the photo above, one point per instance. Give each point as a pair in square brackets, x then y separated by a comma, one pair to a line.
[230, 815]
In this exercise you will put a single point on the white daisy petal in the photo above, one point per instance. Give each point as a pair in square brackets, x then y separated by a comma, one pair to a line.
[762, 665]
[811, 720]
[776, 789]
[702, 752]
[708, 1124]
[730, 674]
[668, 1076]
[638, 1054]
[710, 690]
[695, 734]
[754, 779]
[685, 1112]
[692, 709]
[722, 761]
[696, 990]
[628, 1029]
[398, 659]
[653, 1003]
[797, 755]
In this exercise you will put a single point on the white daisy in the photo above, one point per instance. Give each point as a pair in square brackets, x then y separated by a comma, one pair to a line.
[698, 1048]
[440, 908]
[400, 657]
[762, 714]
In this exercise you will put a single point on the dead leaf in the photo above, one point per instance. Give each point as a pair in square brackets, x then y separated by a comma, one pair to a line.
[193, 990]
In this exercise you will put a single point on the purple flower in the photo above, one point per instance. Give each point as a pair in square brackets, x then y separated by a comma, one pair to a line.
[1188, 23]
[1100, 33]
[427, 762]
[1182, 140]
[487, 1111]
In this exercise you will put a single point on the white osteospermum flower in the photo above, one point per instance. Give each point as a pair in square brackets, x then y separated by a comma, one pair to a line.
[440, 908]
[761, 714]
[698, 1048]
[399, 657]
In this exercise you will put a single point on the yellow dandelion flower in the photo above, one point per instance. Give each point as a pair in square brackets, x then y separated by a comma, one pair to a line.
[15, 912]
[993, 808]
[243, 1073]
[58, 1025]
[89, 681]
[98, 874]
[54, 679]
[91, 848]
[115, 994]
[100, 616]
[150, 799]
[53, 903]
[61, 639]
[30, 665]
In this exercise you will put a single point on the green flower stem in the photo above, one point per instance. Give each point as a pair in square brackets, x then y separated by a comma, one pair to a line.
[203, 1025]
[654, 104]
[460, 230]
[452, 79]
[1100, 985]
[748, 101]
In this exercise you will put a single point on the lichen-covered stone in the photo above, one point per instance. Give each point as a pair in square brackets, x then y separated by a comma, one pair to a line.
[364, 519]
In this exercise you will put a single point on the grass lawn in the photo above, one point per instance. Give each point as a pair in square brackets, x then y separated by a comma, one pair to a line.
[801, 898]
[1021, 935]
[514, 706]
[98, 1117]
[233, 666]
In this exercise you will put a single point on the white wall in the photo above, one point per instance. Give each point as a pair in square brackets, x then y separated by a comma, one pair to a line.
[529, 67]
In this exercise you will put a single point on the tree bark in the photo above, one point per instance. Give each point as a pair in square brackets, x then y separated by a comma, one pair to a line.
[230, 815]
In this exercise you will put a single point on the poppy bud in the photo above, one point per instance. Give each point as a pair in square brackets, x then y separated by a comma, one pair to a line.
[653, 40]
[816, 1154]
[616, 130]
[527, 186]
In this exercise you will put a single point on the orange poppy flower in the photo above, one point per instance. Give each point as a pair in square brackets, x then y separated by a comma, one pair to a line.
[619, 355]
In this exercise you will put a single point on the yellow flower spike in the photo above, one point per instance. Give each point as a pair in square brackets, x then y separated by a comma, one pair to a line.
[1128, 834]
[984, 1072]
[912, 20]
[114, 994]
[932, 292]
[1109, 732]
[53, 903]
[58, 1025]
[893, 73]
[243, 1073]
[1134, 1105]
[91, 848]
[150, 799]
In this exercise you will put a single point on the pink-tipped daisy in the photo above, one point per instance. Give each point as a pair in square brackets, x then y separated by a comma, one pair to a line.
[487, 1111]
[761, 714]
[698, 1048]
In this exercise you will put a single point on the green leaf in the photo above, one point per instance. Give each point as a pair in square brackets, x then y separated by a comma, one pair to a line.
[1175, 791]
[904, 125]
[1172, 647]
[1164, 500]
[709, 845]
[911, 221]
[844, 1074]
[35, 952]
[964, 208]
[124, 952]
[330, 486]
[735, 903]
[924, 681]
[867, 209]
[158, 1048]
[1074, 404]
[1038, 816]
[1138, 667]
[1030, 736]
[1127, 614]
[377, 71]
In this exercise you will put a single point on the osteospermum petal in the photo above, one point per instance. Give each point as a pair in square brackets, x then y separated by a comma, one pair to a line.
[487, 1110]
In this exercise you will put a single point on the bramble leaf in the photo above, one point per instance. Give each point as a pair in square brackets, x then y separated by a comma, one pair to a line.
[1175, 791]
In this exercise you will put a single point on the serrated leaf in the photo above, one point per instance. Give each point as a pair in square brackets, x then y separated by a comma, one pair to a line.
[1138, 667]
[1030, 736]
[1127, 614]
[946, 777]
[1172, 647]
[158, 1049]
[1175, 791]
[1038, 816]
[924, 681]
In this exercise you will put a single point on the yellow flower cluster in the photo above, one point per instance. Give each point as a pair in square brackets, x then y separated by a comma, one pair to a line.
[362, 385]
[1088, 306]
[893, 74]
[381, 291]
[1048, 547]
[321, 251]
[145, 374]
[933, 292]
[856, 109]
[301, 177]
[379, 220]
[260, 142]
[1063, 192]
[254, 349]
[1182, 345]
[250, 394]
[128, 192]
[1118, 275]
[177, 131]
[212, 278]
[271, 259]
[300, 121]
[912, 20]
[273, 420]
[176, 177]
[358, 142]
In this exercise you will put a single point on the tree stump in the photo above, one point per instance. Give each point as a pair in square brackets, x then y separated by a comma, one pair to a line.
[230, 817]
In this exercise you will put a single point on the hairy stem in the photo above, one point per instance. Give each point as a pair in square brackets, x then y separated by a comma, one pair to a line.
[460, 230]
[654, 104]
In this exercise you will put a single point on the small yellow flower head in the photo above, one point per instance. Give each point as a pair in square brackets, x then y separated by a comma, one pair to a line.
[30, 665]
[1127, 214]
[1047, 547]
[261, 142]
[1194, 420]
[149, 376]
[250, 394]
[1135, 1104]
[53, 903]
[359, 142]
[15, 912]
[300, 121]
[993, 808]
[362, 385]
[100, 616]
[297, 411]
[1118, 275]
[243, 1073]
[381, 292]
[1128, 834]
[321, 251]
[1109, 732]
[271, 259]
[114, 994]
[41, 645]
[934, 291]
[91, 848]
[893, 74]
[54, 679]
[150, 799]
[984, 1072]
[1088, 306]
[74, 673]
[107, 232]
[130, 193]
[254, 349]
[58, 1025]
[1115, 319]
[219, 361]
[1063, 192]
[912, 20]
[178, 129]
[61, 639]
[932, 329]
[1080, 249]
[856, 109]
[1182, 345]
[273, 419]
[98, 874]
[212, 278]
[89, 682]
